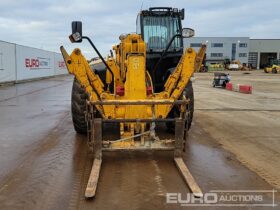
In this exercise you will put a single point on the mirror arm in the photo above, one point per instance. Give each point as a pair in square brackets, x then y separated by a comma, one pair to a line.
[163, 54]
[99, 55]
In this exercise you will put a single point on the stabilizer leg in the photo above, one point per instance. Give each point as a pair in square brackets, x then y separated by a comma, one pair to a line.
[94, 175]
[182, 167]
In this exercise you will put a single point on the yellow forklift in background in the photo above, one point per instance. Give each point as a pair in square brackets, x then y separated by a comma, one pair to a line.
[274, 67]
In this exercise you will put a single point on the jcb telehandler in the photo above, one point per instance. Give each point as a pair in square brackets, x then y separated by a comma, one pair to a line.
[146, 80]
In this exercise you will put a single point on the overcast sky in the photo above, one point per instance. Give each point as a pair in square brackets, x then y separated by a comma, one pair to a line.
[47, 24]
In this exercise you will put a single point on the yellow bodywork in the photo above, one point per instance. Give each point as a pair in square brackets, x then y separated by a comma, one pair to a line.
[199, 59]
[130, 73]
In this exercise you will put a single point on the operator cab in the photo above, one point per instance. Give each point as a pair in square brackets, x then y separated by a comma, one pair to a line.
[159, 27]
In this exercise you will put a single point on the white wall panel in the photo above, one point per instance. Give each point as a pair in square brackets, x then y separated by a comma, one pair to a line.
[33, 63]
[59, 65]
[7, 62]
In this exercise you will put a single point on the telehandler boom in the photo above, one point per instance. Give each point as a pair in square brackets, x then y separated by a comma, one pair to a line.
[131, 94]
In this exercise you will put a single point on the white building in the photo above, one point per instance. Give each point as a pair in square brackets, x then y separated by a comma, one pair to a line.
[263, 50]
[255, 52]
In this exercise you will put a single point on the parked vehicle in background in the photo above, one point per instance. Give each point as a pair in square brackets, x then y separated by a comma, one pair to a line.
[220, 79]
[274, 67]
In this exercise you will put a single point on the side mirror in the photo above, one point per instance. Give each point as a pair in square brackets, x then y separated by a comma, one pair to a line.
[182, 14]
[77, 33]
[187, 32]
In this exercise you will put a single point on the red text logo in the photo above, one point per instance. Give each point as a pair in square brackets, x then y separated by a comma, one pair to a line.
[31, 63]
[61, 64]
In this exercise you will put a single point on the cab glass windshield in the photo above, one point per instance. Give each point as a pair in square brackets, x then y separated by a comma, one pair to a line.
[159, 30]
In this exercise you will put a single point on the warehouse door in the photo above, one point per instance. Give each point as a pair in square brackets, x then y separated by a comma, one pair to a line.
[253, 59]
[266, 58]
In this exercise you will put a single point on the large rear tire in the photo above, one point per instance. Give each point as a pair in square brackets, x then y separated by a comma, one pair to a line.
[78, 107]
[174, 113]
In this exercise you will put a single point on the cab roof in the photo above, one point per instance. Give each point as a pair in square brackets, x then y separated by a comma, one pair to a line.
[164, 11]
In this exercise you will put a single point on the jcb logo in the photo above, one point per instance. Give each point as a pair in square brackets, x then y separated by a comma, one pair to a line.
[135, 63]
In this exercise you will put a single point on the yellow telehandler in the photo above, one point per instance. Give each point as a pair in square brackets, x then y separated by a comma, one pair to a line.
[145, 81]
